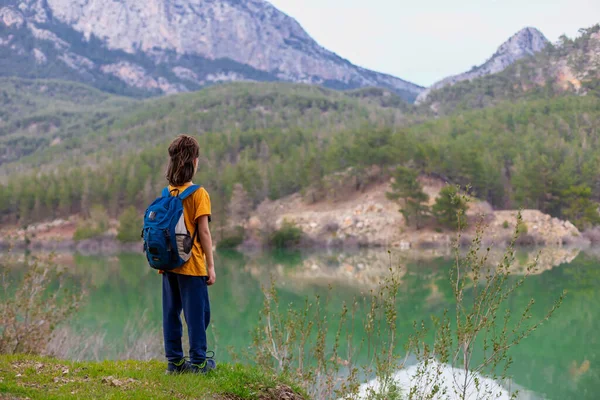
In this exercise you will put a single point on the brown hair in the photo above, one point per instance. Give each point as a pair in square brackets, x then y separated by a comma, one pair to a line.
[182, 152]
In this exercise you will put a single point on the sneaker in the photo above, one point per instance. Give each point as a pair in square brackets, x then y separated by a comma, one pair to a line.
[179, 367]
[205, 366]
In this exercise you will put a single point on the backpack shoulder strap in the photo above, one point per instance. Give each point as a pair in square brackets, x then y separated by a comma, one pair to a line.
[189, 191]
[165, 192]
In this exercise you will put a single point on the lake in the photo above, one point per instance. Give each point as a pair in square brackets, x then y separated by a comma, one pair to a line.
[121, 316]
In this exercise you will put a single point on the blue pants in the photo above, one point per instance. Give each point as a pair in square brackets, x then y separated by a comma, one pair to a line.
[190, 294]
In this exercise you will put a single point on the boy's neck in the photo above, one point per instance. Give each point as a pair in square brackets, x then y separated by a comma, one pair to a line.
[185, 184]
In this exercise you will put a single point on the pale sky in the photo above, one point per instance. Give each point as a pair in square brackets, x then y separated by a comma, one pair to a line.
[423, 41]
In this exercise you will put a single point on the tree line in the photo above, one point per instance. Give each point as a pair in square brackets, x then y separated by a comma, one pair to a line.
[539, 154]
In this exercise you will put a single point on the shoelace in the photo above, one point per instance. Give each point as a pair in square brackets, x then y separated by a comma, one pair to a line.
[181, 362]
[206, 358]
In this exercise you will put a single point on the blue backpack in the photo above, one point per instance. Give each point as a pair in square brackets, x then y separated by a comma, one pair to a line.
[167, 242]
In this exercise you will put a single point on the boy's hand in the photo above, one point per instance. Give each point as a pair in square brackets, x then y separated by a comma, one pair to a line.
[212, 277]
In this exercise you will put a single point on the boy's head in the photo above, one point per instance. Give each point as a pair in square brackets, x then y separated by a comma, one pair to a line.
[183, 160]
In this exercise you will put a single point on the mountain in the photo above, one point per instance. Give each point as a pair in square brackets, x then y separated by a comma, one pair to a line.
[168, 46]
[526, 42]
[571, 66]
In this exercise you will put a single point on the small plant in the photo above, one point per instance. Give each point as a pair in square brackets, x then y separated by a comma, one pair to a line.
[505, 225]
[130, 225]
[304, 345]
[521, 232]
[522, 229]
[232, 239]
[93, 226]
[289, 235]
[84, 232]
[32, 309]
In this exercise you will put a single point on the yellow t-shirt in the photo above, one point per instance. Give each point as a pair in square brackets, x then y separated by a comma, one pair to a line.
[195, 206]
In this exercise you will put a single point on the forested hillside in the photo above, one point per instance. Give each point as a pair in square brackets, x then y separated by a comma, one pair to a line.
[36, 114]
[541, 154]
[91, 148]
[572, 66]
[95, 130]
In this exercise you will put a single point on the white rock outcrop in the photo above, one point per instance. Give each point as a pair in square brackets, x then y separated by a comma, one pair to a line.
[40, 57]
[136, 76]
[11, 17]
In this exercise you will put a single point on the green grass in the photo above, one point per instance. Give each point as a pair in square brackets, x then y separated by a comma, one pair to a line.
[48, 378]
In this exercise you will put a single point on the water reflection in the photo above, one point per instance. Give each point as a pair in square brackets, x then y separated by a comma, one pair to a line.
[122, 316]
[369, 266]
[448, 380]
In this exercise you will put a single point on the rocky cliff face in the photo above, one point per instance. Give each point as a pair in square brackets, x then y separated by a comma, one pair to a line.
[524, 43]
[195, 42]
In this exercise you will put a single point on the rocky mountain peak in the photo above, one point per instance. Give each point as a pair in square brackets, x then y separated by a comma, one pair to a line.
[526, 42]
[201, 41]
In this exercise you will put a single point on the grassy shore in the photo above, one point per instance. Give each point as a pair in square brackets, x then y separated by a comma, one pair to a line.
[49, 378]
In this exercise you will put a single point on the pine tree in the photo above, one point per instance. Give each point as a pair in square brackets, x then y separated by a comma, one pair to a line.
[148, 194]
[449, 208]
[64, 197]
[407, 188]
[25, 205]
[314, 180]
[51, 198]
[579, 207]
[37, 213]
[85, 198]
[132, 184]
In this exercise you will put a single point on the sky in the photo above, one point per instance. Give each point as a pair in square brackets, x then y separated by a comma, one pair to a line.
[424, 41]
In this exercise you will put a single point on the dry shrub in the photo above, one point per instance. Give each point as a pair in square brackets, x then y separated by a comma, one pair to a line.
[32, 309]
[138, 342]
[142, 343]
[69, 344]
[295, 342]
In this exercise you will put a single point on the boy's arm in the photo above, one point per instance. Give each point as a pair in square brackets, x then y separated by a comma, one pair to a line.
[206, 242]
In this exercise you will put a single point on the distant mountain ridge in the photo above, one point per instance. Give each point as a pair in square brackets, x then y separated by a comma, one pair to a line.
[526, 42]
[168, 46]
[571, 66]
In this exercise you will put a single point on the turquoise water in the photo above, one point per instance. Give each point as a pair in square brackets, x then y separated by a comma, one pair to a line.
[121, 317]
